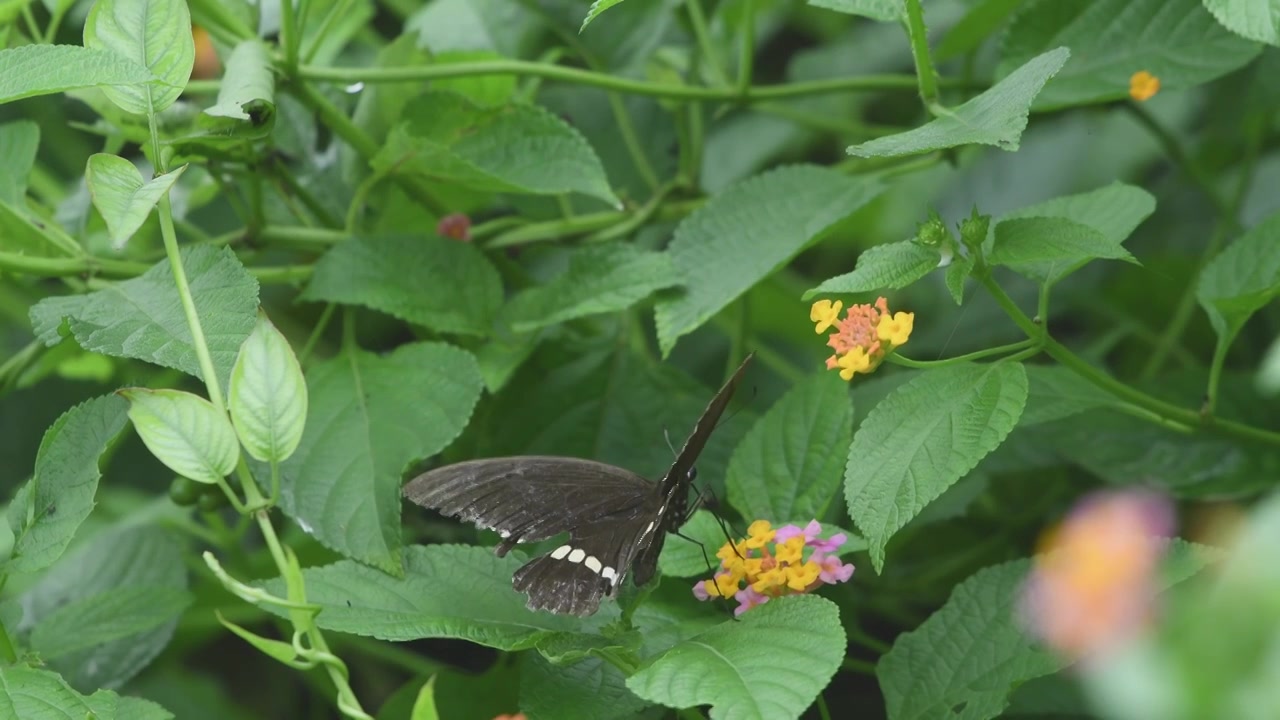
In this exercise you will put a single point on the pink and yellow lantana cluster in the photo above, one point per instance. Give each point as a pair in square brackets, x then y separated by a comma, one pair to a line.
[863, 337]
[781, 570]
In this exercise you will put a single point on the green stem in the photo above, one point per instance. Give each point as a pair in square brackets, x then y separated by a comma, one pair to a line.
[581, 224]
[857, 635]
[198, 342]
[632, 141]
[316, 240]
[861, 667]
[927, 76]
[323, 322]
[1185, 165]
[8, 653]
[289, 33]
[747, 51]
[822, 707]
[898, 359]
[698, 22]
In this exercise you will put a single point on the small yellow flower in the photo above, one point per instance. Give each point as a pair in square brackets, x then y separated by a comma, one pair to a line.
[1143, 85]
[801, 576]
[897, 329]
[854, 361]
[760, 532]
[825, 313]
[724, 586]
[770, 579]
[789, 551]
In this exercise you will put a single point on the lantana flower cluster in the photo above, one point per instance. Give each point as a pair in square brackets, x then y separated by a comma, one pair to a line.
[770, 563]
[864, 337]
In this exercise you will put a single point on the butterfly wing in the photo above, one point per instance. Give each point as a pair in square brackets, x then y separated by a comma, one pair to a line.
[692, 448]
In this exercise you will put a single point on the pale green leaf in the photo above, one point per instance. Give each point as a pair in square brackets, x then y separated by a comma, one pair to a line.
[268, 394]
[32, 694]
[956, 275]
[101, 577]
[46, 512]
[599, 279]
[1241, 279]
[726, 668]
[1043, 247]
[596, 8]
[515, 148]
[153, 33]
[369, 416]
[1110, 40]
[424, 708]
[922, 438]
[248, 77]
[748, 231]
[996, 117]
[883, 267]
[790, 463]
[682, 558]
[1056, 392]
[142, 318]
[27, 235]
[19, 141]
[442, 284]
[122, 196]
[1254, 19]
[33, 70]
[882, 10]
[275, 649]
[185, 432]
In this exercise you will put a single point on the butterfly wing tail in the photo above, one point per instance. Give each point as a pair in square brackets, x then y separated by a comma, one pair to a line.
[560, 587]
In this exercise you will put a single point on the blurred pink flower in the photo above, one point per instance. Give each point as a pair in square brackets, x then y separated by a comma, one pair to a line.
[833, 570]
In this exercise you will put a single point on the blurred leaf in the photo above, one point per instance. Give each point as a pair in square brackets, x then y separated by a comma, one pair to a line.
[725, 668]
[882, 10]
[502, 356]
[505, 27]
[924, 437]
[185, 432]
[33, 70]
[369, 416]
[1042, 247]
[424, 708]
[1110, 40]
[45, 513]
[155, 34]
[957, 274]
[597, 7]
[599, 279]
[33, 694]
[122, 196]
[268, 394]
[748, 231]
[515, 148]
[789, 465]
[1056, 392]
[27, 235]
[1253, 19]
[110, 574]
[442, 284]
[1241, 279]
[975, 28]
[884, 267]
[996, 117]
[19, 140]
[248, 77]
[142, 318]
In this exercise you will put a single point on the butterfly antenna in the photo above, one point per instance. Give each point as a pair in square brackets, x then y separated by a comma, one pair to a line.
[667, 434]
[705, 558]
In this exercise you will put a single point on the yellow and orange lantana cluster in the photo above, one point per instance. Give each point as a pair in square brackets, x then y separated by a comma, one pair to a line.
[863, 337]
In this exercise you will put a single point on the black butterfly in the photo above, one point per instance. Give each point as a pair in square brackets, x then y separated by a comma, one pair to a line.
[616, 519]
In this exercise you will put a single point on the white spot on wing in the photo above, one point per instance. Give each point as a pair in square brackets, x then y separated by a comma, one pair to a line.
[577, 555]
[648, 529]
[560, 552]
[593, 563]
[504, 534]
[610, 574]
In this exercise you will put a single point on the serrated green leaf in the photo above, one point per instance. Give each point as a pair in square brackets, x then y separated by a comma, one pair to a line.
[369, 416]
[502, 356]
[33, 70]
[599, 279]
[32, 694]
[884, 267]
[588, 690]
[1241, 279]
[185, 432]
[122, 196]
[748, 231]
[19, 141]
[957, 273]
[46, 512]
[682, 558]
[1042, 248]
[514, 148]
[152, 33]
[116, 614]
[923, 437]
[596, 8]
[996, 117]
[1056, 392]
[268, 394]
[142, 318]
[1253, 19]
[882, 10]
[248, 78]
[104, 571]
[442, 284]
[790, 463]
[725, 668]
[1110, 40]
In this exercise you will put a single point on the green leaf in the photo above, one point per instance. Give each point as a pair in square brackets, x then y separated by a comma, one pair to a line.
[369, 416]
[1253, 19]
[19, 141]
[588, 690]
[789, 464]
[268, 394]
[122, 196]
[129, 584]
[1042, 247]
[996, 117]
[33, 70]
[596, 8]
[957, 273]
[1115, 211]
[1242, 279]
[726, 668]
[153, 33]
[448, 591]
[424, 708]
[1056, 393]
[682, 558]
[32, 694]
[185, 432]
[883, 267]
[882, 10]
[442, 284]
[923, 437]
[748, 231]
[502, 356]
[46, 512]
[978, 25]
[25, 235]
[275, 649]
[599, 279]
[248, 78]
[142, 318]
[1175, 40]
[514, 148]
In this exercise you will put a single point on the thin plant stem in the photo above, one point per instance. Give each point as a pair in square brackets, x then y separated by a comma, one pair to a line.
[898, 359]
[854, 665]
[321, 324]
[926, 75]
[698, 22]
[822, 707]
[747, 50]
[632, 141]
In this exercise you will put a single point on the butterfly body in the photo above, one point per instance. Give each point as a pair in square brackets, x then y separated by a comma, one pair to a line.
[616, 519]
